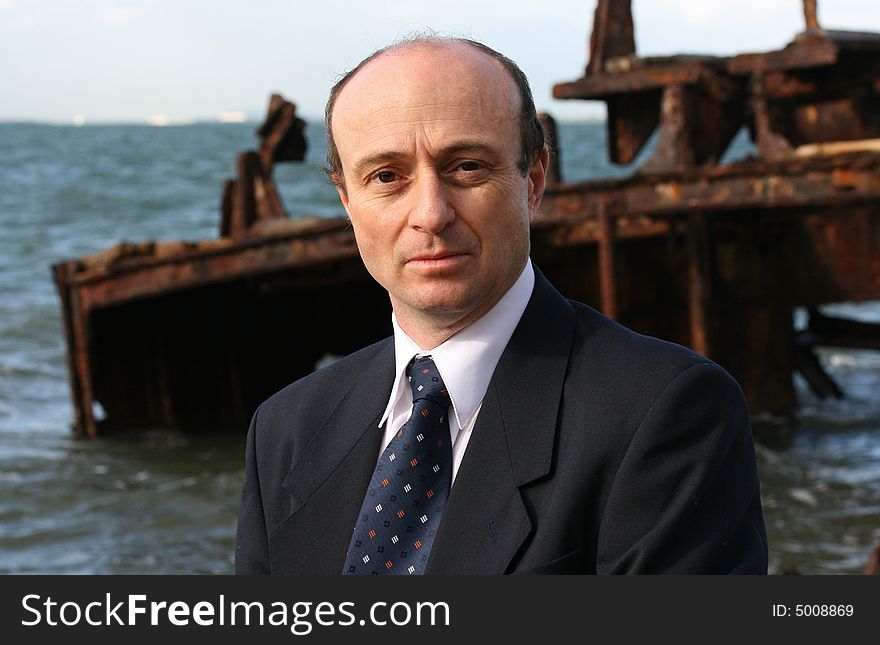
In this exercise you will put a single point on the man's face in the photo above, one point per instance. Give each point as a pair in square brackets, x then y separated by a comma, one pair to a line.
[429, 141]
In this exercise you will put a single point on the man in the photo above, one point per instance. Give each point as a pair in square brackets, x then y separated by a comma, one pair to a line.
[556, 440]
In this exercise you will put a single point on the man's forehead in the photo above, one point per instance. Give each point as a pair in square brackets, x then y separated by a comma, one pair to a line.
[412, 72]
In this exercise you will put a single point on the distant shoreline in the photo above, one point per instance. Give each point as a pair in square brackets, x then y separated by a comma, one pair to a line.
[249, 121]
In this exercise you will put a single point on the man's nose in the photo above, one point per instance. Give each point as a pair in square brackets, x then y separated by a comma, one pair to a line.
[432, 210]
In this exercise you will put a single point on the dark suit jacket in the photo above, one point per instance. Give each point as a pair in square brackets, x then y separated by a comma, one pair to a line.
[596, 450]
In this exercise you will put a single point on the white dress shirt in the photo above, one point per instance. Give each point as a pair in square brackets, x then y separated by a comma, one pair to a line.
[466, 362]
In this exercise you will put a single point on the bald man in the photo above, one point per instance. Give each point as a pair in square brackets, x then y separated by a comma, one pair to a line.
[502, 428]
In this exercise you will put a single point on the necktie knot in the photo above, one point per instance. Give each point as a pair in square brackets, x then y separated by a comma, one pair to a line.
[426, 382]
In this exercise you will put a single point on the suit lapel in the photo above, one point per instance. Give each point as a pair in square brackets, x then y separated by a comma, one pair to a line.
[327, 482]
[485, 522]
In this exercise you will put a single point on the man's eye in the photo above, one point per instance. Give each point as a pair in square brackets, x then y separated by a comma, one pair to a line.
[469, 166]
[386, 176]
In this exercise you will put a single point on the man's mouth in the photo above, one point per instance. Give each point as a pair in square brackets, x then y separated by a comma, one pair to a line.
[437, 260]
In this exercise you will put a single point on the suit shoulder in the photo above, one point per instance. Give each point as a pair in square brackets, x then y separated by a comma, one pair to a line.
[627, 361]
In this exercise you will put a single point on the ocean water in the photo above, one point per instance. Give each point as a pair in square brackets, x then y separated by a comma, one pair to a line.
[164, 502]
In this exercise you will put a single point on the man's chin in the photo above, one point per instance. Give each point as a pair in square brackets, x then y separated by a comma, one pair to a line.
[439, 300]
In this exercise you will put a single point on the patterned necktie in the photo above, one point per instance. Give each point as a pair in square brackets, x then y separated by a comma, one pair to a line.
[405, 499]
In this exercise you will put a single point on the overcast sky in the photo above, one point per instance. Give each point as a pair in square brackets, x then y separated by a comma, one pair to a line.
[132, 60]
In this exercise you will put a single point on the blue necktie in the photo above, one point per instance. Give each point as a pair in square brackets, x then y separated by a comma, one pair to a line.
[405, 499]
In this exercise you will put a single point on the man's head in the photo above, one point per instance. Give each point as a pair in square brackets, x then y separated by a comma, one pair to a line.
[439, 160]
[532, 135]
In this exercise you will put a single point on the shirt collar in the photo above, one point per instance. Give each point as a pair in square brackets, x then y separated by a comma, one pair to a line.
[468, 359]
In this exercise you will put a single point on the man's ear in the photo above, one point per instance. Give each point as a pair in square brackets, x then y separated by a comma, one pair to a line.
[537, 178]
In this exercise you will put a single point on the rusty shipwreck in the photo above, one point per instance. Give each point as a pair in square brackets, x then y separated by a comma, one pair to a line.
[193, 336]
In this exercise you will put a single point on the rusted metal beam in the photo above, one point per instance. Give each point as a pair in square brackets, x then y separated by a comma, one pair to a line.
[227, 208]
[268, 202]
[837, 147]
[675, 145]
[699, 282]
[557, 232]
[607, 260]
[820, 382]
[282, 134]
[253, 196]
[631, 121]
[159, 269]
[796, 56]
[771, 186]
[612, 35]
[771, 145]
[77, 333]
[245, 208]
[811, 15]
[841, 332]
[554, 169]
[810, 53]
[640, 80]
[811, 182]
